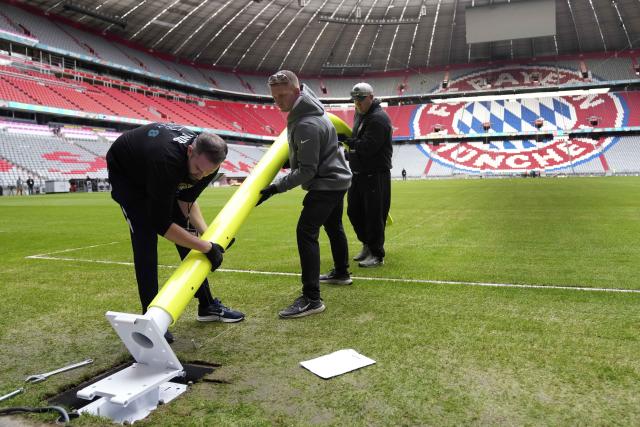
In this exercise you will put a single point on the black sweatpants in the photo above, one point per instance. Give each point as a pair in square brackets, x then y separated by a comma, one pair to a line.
[321, 208]
[144, 241]
[369, 199]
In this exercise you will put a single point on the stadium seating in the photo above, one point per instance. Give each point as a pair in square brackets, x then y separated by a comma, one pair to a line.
[61, 36]
[56, 156]
[87, 139]
[611, 68]
[75, 152]
[32, 87]
[122, 104]
[621, 156]
[401, 119]
[424, 83]
[44, 30]
[624, 156]
[9, 174]
[50, 156]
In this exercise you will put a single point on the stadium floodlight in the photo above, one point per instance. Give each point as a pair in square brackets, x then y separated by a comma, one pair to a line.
[518, 96]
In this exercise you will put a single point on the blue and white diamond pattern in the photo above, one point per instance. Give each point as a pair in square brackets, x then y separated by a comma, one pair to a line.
[515, 116]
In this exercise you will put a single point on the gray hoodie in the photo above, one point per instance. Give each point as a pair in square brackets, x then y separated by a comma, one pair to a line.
[317, 162]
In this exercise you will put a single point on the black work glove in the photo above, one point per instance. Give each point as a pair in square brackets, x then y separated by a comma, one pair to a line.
[342, 137]
[267, 192]
[215, 256]
[350, 142]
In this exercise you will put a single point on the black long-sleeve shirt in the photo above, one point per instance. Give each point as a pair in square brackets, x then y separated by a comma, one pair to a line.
[370, 149]
[150, 164]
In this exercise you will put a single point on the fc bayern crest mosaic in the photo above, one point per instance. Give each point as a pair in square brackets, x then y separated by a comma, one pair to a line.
[559, 114]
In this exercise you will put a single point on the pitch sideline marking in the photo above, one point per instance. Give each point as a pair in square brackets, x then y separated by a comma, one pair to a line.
[47, 256]
[69, 250]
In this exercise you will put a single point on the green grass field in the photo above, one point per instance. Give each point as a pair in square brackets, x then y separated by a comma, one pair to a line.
[447, 354]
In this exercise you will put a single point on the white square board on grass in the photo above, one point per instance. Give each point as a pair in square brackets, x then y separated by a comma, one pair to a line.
[337, 363]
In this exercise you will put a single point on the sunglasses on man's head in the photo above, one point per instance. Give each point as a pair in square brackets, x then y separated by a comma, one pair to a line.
[278, 78]
[359, 97]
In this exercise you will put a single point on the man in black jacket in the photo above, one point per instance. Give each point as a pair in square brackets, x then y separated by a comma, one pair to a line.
[157, 172]
[369, 196]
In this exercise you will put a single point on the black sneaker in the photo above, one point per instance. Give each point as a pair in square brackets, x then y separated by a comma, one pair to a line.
[301, 307]
[365, 252]
[371, 261]
[336, 278]
[217, 312]
[169, 337]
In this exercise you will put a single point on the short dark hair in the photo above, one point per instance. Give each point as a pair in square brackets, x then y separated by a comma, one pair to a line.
[212, 146]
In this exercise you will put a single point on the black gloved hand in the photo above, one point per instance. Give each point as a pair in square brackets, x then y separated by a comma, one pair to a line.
[215, 256]
[267, 192]
[342, 137]
[350, 142]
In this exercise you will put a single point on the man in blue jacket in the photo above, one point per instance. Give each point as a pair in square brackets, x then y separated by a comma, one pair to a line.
[319, 166]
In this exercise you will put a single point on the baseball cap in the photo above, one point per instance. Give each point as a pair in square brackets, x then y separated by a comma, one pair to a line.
[361, 91]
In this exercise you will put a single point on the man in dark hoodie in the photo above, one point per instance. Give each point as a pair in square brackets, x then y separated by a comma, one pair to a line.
[157, 172]
[370, 154]
[318, 165]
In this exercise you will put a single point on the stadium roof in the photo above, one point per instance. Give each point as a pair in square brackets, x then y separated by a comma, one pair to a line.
[266, 35]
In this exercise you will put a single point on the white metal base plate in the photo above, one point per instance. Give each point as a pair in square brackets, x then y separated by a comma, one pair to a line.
[129, 384]
[132, 393]
[137, 410]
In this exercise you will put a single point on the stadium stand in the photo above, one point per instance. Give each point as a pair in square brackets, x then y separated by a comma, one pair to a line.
[44, 30]
[340, 87]
[225, 81]
[9, 174]
[611, 68]
[619, 155]
[424, 83]
[78, 151]
[624, 156]
[73, 152]
[87, 139]
[48, 156]
[382, 85]
[61, 36]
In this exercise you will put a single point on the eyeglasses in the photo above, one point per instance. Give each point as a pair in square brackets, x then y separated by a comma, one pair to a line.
[278, 79]
[359, 97]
